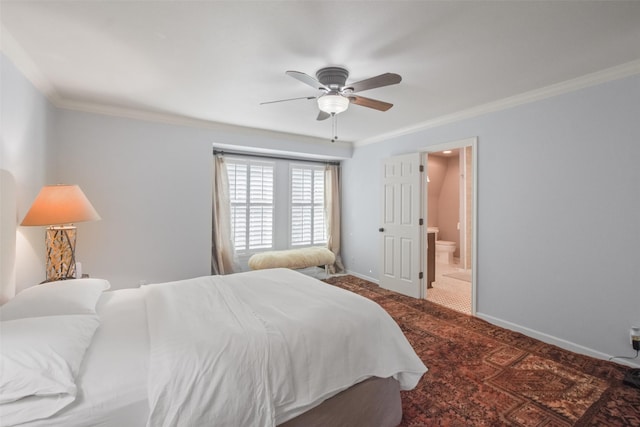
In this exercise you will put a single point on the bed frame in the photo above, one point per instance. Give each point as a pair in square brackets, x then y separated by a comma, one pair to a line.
[374, 402]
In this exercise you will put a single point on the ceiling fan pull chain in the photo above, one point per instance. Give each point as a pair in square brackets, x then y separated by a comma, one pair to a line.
[334, 127]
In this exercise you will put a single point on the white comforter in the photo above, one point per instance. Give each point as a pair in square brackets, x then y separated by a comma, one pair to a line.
[259, 348]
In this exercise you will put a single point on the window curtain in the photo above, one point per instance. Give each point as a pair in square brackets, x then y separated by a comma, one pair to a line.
[223, 256]
[332, 214]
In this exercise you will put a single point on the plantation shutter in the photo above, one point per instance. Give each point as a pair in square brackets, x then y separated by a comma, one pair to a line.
[307, 206]
[261, 207]
[251, 196]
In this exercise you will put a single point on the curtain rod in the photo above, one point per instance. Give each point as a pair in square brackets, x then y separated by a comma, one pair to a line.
[268, 156]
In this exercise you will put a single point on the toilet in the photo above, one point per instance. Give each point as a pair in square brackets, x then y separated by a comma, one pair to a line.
[444, 248]
[444, 251]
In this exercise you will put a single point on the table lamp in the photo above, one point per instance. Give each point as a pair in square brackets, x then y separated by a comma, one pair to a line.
[58, 207]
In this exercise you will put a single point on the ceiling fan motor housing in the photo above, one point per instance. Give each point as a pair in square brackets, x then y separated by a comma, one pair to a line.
[332, 77]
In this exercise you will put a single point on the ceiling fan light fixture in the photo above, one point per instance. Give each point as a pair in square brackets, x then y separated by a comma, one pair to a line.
[333, 104]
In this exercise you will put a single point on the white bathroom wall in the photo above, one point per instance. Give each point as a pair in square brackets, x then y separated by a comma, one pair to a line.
[443, 206]
[558, 206]
[449, 204]
[436, 170]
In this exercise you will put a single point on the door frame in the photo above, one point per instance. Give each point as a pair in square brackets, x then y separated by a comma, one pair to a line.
[458, 144]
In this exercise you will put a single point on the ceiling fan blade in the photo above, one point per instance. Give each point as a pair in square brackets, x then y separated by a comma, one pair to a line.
[290, 99]
[306, 79]
[371, 103]
[323, 116]
[385, 79]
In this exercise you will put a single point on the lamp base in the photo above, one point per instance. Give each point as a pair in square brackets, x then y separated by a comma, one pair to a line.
[61, 257]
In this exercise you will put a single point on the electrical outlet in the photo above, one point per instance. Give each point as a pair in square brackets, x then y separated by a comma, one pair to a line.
[634, 336]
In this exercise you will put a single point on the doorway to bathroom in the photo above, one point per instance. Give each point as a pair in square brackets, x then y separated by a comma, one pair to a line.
[450, 208]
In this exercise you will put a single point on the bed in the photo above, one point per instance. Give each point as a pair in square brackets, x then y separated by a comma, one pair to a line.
[263, 348]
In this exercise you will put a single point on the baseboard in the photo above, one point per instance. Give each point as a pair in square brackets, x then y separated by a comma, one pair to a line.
[550, 339]
[363, 277]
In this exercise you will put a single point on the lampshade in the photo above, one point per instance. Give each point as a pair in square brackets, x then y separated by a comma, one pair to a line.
[58, 207]
[333, 104]
[60, 204]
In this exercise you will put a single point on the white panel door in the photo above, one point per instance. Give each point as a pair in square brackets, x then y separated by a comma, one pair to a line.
[400, 229]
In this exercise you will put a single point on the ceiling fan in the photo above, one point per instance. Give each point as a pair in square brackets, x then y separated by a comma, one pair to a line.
[336, 95]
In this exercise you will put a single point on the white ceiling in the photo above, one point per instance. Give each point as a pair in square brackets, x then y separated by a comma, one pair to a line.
[217, 60]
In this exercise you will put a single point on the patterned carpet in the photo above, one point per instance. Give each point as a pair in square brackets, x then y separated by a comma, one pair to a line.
[483, 375]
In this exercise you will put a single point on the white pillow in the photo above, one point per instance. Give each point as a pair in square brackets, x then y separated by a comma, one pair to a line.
[40, 358]
[77, 296]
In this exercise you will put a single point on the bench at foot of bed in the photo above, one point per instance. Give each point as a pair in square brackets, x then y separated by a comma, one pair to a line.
[293, 258]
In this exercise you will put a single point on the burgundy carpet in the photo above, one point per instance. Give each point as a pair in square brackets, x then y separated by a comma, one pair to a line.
[483, 375]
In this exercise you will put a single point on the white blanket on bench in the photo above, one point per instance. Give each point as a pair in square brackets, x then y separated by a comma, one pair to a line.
[292, 258]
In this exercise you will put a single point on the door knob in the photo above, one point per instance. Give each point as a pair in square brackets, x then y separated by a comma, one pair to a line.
[381, 229]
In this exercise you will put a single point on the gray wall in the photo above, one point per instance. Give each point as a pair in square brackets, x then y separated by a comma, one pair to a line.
[151, 183]
[26, 158]
[558, 214]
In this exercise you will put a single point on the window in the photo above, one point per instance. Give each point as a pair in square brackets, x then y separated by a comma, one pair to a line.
[307, 205]
[275, 204]
[251, 194]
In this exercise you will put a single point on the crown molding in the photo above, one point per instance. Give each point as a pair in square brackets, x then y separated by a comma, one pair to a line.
[23, 62]
[173, 119]
[603, 76]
